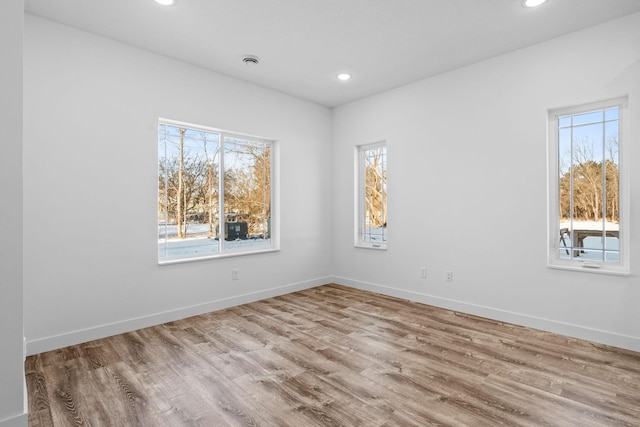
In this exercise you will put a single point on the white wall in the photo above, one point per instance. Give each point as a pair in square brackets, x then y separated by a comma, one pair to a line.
[91, 107]
[467, 186]
[12, 389]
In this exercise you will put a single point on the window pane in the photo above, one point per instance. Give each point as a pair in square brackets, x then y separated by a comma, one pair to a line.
[590, 117]
[591, 255]
[375, 194]
[187, 192]
[247, 194]
[612, 114]
[589, 187]
[564, 121]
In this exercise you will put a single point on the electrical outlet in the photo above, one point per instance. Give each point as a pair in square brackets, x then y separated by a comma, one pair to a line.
[423, 272]
[449, 276]
[234, 274]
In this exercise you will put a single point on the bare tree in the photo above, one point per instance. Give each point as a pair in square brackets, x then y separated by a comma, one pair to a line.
[189, 180]
[180, 192]
[593, 178]
[375, 188]
[248, 184]
[212, 195]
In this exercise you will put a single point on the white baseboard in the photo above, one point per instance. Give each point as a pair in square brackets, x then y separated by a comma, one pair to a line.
[84, 335]
[21, 420]
[574, 331]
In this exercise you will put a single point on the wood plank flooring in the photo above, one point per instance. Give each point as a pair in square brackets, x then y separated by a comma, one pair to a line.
[335, 356]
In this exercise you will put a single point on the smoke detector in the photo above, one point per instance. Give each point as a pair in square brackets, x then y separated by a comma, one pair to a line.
[251, 60]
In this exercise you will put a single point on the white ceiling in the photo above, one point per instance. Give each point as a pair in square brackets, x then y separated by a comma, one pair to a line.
[303, 44]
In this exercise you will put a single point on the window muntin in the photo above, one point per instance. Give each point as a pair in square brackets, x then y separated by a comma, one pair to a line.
[372, 196]
[192, 193]
[587, 192]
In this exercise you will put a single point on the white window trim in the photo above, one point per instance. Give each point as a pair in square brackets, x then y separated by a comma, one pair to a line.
[275, 195]
[553, 208]
[359, 207]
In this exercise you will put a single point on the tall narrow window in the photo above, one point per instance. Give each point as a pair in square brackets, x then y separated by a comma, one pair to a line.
[214, 193]
[371, 222]
[587, 194]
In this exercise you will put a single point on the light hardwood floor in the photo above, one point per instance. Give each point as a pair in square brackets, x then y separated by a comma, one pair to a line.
[335, 356]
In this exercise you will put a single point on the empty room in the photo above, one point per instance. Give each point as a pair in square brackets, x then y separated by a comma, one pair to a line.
[320, 213]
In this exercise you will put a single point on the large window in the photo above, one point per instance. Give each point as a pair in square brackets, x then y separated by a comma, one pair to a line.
[214, 193]
[371, 217]
[588, 190]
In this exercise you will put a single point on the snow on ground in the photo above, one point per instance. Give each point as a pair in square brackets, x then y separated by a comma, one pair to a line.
[199, 245]
[590, 225]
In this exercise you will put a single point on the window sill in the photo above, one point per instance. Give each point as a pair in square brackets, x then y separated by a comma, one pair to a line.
[377, 247]
[224, 255]
[591, 268]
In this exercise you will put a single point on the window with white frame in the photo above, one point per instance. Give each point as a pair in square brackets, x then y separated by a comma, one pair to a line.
[371, 216]
[214, 193]
[588, 188]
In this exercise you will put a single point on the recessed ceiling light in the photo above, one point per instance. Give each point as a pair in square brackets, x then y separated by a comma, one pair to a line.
[165, 2]
[344, 76]
[533, 3]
